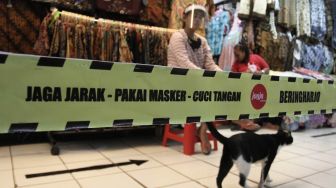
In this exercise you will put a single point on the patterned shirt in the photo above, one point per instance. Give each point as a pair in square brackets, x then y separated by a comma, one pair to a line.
[181, 55]
[334, 18]
[315, 57]
[318, 19]
[218, 26]
[303, 17]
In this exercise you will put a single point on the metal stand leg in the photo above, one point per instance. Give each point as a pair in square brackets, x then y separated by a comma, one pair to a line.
[54, 148]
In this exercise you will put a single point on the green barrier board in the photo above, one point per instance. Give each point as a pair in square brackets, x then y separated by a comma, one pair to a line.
[55, 94]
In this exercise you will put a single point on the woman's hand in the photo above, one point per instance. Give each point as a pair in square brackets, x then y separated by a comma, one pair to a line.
[264, 71]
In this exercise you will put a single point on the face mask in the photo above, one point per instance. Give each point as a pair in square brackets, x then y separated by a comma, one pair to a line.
[195, 44]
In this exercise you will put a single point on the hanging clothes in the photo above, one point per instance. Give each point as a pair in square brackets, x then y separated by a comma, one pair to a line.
[309, 56]
[41, 46]
[116, 44]
[284, 13]
[303, 17]
[272, 24]
[157, 12]
[80, 42]
[70, 42]
[73, 37]
[292, 13]
[318, 19]
[334, 29]
[55, 43]
[227, 58]
[328, 65]
[218, 27]
[329, 23]
[244, 9]
[125, 53]
[259, 9]
[131, 37]
[250, 35]
[63, 40]
[314, 57]
[274, 51]
[145, 45]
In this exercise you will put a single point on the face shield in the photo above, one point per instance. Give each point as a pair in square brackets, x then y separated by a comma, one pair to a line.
[197, 16]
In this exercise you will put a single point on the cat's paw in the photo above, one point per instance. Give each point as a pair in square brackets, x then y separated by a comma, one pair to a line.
[268, 183]
[268, 180]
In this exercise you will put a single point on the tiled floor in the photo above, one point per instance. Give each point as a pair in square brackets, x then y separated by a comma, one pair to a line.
[308, 163]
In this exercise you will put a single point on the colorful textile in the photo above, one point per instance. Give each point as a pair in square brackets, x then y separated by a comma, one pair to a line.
[318, 19]
[315, 57]
[303, 17]
[334, 29]
[227, 58]
[218, 26]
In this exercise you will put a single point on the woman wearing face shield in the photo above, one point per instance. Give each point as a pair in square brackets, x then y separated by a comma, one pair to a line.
[188, 50]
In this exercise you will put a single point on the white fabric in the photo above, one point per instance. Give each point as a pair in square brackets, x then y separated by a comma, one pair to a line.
[244, 8]
[273, 27]
[259, 7]
[288, 74]
[277, 5]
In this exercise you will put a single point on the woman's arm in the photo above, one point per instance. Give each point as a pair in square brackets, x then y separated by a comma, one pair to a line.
[264, 67]
[209, 63]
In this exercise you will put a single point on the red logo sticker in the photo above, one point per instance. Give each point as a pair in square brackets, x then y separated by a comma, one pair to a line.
[258, 96]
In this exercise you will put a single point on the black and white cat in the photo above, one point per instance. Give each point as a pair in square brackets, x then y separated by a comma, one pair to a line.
[247, 148]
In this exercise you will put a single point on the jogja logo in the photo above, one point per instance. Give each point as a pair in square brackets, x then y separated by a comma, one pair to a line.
[258, 96]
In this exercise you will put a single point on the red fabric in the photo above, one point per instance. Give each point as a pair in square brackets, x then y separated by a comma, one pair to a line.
[254, 59]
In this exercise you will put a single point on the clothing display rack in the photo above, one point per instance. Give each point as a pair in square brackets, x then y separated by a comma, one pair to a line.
[66, 15]
[74, 21]
[78, 36]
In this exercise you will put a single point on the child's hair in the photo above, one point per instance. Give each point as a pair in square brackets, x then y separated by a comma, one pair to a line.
[242, 46]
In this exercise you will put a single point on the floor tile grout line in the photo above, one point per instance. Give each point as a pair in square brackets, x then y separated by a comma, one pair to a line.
[106, 157]
[322, 160]
[316, 172]
[299, 153]
[187, 176]
[10, 149]
[317, 151]
[166, 165]
[71, 174]
[196, 159]
[303, 145]
[284, 183]
[179, 184]
[37, 184]
[301, 179]
[130, 176]
[312, 168]
[12, 163]
[39, 166]
[27, 154]
[123, 171]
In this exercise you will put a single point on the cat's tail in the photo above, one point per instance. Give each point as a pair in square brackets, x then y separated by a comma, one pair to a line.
[222, 139]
